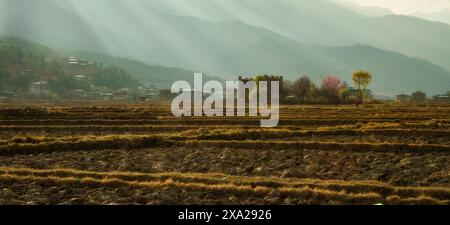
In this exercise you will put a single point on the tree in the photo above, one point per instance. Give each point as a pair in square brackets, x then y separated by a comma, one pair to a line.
[21, 82]
[287, 88]
[362, 79]
[301, 88]
[331, 83]
[330, 88]
[114, 78]
[63, 83]
[344, 94]
[4, 76]
[20, 53]
[418, 96]
[165, 94]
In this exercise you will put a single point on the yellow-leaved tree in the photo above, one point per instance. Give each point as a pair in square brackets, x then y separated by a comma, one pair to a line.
[362, 79]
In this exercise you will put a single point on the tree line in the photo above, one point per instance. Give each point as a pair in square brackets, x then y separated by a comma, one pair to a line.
[331, 90]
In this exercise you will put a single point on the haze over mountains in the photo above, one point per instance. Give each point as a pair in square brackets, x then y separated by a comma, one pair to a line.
[370, 11]
[443, 16]
[245, 37]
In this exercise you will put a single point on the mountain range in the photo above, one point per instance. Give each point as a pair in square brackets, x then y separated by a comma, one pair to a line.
[244, 37]
[161, 76]
[370, 11]
[443, 16]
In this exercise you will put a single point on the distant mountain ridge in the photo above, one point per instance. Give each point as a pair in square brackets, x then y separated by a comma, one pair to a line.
[159, 75]
[227, 45]
[320, 22]
[370, 11]
[443, 16]
[39, 58]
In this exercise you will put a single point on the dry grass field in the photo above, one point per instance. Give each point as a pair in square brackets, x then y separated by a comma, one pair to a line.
[140, 154]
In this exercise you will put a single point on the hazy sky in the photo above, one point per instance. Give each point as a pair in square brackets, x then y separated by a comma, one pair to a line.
[408, 6]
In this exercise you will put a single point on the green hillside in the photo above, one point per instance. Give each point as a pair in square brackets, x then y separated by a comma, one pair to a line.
[160, 75]
[23, 62]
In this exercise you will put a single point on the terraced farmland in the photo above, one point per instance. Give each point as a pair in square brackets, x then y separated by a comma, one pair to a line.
[140, 154]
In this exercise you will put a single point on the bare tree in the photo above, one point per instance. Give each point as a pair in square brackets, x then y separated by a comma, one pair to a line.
[302, 88]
